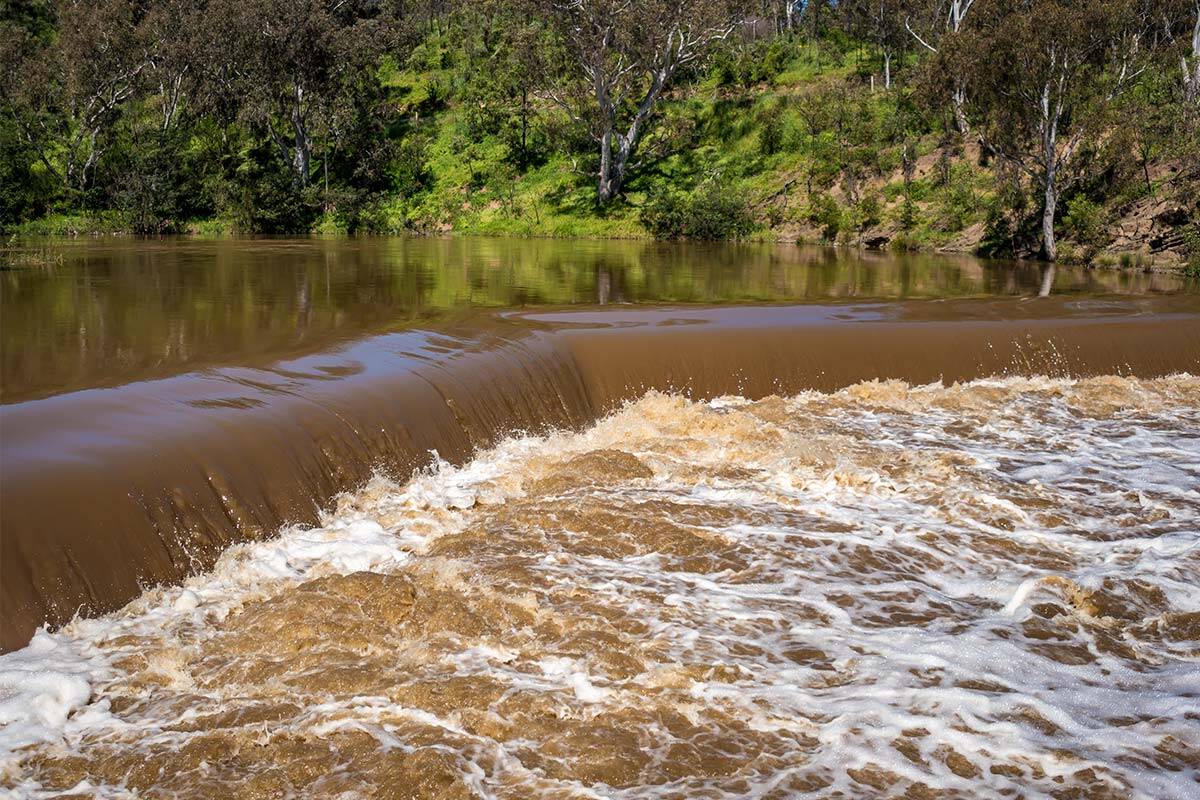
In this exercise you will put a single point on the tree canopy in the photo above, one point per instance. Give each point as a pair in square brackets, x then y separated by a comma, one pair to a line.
[275, 115]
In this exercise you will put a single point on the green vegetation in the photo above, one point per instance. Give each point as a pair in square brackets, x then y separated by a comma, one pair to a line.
[880, 124]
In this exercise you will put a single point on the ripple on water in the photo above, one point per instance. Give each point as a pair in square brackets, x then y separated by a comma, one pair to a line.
[987, 589]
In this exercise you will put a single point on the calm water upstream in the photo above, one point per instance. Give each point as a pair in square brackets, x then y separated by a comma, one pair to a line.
[77, 314]
[497, 519]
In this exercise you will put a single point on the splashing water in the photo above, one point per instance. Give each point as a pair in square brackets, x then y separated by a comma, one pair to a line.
[981, 590]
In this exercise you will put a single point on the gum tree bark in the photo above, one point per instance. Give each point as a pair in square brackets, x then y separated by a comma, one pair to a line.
[1191, 74]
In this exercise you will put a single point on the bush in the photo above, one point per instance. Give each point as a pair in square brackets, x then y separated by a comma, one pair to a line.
[710, 212]
[774, 61]
[1191, 249]
[824, 210]
[869, 210]
[1084, 222]
[1135, 260]
[770, 130]
[905, 243]
[958, 201]
[910, 215]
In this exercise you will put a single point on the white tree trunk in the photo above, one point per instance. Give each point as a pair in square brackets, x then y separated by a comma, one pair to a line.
[302, 152]
[606, 187]
[960, 108]
[1049, 245]
[614, 161]
[1191, 77]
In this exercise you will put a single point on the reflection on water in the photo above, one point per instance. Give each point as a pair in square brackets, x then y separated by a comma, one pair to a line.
[76, 314]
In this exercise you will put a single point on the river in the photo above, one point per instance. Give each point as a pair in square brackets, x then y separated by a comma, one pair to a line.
[489, 518]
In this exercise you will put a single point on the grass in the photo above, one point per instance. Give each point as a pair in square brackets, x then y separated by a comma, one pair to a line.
[98, 223]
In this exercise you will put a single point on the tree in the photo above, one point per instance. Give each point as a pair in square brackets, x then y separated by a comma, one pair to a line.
[626, 52]
[66, 92]
[505, 46]
[938, 20]
[285, 63]
[1189, 59]
[881, 22]
[1045, 74]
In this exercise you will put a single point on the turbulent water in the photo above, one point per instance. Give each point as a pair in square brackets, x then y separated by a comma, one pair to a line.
[980, 590]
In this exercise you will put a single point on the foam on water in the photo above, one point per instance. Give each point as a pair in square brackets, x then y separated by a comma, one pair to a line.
[979, 590]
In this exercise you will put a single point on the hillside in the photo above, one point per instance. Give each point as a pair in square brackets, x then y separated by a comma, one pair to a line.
[805, 149]
[782, 137]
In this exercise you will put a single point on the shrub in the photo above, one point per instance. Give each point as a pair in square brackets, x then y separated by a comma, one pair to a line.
[1191, 249]
[910, 215]
[1084, 222]
[869, 210]
[958, 200]
[710, 212]
[824, 210]
[774, 61]
[1135, 260]
[770, 130]
[718, 213]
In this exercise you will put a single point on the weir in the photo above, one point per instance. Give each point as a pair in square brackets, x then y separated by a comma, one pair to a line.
[104, 492]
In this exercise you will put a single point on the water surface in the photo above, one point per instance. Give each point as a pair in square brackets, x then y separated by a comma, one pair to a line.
[81, 313]
[984, 590]
[495, 519]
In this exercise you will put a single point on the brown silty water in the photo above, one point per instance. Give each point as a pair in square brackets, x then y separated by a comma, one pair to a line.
[975, 590]
[686, 551]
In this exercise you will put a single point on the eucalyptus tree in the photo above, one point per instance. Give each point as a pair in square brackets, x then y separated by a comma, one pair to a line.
[621, 56]
[1044, 75]
[1189, 59]
[66, 90]
[173, 31]
[504, 44]
[285, 64]
[937, 21]
[880, 22]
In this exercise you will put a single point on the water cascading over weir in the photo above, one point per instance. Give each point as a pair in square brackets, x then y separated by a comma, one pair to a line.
[107, 491]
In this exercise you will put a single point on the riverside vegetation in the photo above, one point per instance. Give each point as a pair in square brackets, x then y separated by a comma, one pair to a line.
[1068, 129]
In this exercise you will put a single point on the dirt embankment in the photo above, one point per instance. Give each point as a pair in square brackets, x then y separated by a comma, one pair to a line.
[1159, 231]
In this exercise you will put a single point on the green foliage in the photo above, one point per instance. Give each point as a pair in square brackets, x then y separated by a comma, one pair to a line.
[910, 217]
[747, 64]
[713, 211]
[1084, 222]
[770, 129]
[1191, 248]
[824, 211]
[958, 201]
[449, 125]
[26, 186]
[1135, 260]
[869, 210]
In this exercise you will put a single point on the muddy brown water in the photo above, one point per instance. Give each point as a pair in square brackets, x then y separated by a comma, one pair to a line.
[80, 314]
[811, 585]
[245, 383]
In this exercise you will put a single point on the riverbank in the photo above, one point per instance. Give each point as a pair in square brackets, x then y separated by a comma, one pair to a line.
[801, 148]
[1131, 258]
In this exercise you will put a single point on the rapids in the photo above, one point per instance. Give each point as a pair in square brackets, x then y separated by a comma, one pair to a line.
[980, 589]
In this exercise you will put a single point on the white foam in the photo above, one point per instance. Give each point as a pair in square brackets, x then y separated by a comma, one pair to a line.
[904, 577]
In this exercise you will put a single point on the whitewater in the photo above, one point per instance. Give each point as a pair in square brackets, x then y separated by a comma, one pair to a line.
[988, 589]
